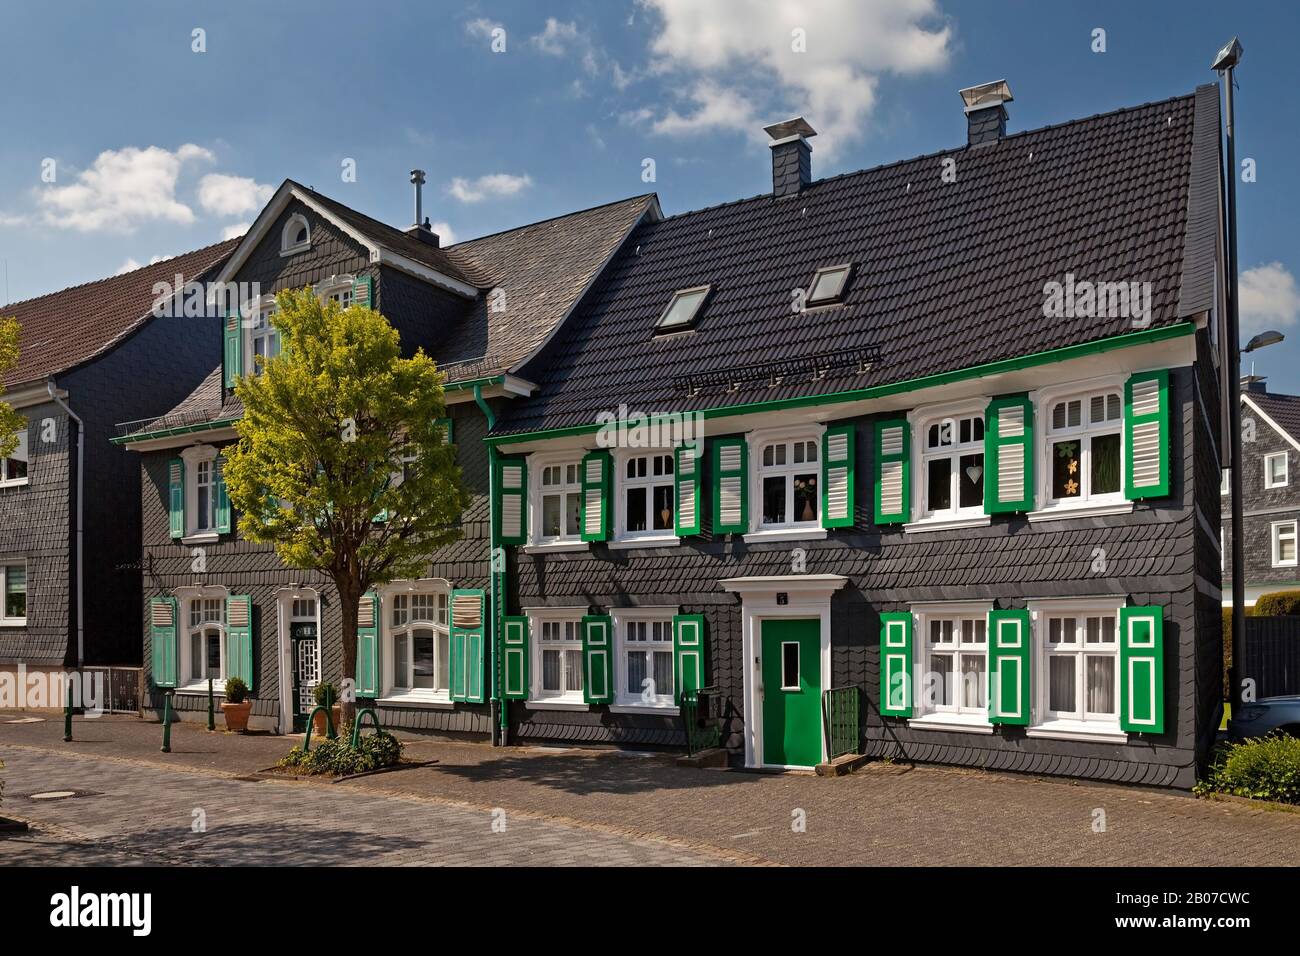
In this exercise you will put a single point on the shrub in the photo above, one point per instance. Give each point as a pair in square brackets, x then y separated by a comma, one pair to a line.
[318, 694]
[1264, 769]
[336, 758]
[236, 690]
[1278, 604]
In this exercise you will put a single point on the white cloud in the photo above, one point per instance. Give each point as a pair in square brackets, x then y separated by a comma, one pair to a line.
[446, 235]
[224, 195]
[556, 38]
[122, 189]
[567, 40]
[482, 27]
[719, 49]
[492, 186]
[238, 229]
[131, 265]
[1269, 298]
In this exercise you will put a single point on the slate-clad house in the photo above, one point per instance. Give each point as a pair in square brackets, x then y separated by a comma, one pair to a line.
[89, 356]
[993, 513]
[1270, 481]
[220, 606]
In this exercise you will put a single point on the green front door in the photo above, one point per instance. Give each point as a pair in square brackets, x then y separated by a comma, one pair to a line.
[792, 692]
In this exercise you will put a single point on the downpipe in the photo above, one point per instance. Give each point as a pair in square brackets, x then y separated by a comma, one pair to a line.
[80, 531]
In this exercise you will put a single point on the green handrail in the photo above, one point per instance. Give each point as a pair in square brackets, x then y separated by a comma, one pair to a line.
[356, 726]
[167, 723]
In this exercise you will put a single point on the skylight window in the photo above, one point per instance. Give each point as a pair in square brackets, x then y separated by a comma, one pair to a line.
[682, 309]
[828, 284]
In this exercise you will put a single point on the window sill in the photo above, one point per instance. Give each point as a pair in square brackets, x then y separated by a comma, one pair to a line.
[968, 724]
[1075, 730]
[1284, 564]
[15, 484]
[947, 524]
[556, 705]
[416, 700]
[667, 710]
[556, 547]
[201, 690]
[294, 250]
[656, 541]
[14, 622]
[207, 537]
[1081, 511]
[810, 533]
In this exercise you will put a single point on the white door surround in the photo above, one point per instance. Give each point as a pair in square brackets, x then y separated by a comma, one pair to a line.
[807, 596]
[284, 599]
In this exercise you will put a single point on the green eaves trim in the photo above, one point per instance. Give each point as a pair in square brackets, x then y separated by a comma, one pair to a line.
[178, 430]
[1127, 340]
[473, 383]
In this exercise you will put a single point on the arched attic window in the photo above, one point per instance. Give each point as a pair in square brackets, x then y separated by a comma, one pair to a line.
[296, 236]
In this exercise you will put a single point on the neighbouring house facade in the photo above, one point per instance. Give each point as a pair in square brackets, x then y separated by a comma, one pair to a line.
[869, 444]
[217, 605]
[1270, 482]
[89, 356]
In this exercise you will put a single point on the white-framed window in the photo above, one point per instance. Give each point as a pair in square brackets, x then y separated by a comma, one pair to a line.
[13, 583]
[200, 490]
[1275, 470]
[789, 482]
[337, 289]
[645, 495]
[682, 309]
[1078, 668]
[1284, 544]
[202, 638]
[951, 459]
[556, 637]
[643, 666]
[557, 502]
[296, 236]
[417, 641]
[261, 338]
[13, 470]
[1084, 448]
[828, 283]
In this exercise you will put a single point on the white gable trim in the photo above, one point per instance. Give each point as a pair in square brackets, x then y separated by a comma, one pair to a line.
[1271, 424]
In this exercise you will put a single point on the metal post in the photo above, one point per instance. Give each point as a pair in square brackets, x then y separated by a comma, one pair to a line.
[212, 712]
[167, 723]
[67, 717]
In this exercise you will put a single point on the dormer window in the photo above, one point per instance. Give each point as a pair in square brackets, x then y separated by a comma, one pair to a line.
[682, 309]
[828, 284]
[296, 236]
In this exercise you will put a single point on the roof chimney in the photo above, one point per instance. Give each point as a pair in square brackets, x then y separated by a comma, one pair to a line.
[986, 116]
[1254, 384]
[421, 230]
[791, 156]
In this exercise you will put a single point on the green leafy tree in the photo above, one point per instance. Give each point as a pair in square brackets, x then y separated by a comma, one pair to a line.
[10, 421]
[341, 463]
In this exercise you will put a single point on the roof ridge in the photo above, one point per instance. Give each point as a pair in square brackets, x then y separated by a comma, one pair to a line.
[556, 218]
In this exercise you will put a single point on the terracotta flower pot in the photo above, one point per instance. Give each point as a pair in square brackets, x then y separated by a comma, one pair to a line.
[237, 715]
[318, 728]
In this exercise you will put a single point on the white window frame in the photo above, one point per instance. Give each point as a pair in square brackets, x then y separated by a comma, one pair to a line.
[689, 324]
[919, 422]
[253, 314]
[1225, 481]
[5, 620]
[1044, 399]
[440, 623]
[757, 440]
[621, 483]
[551, 700]
[944, 717]
[285, 617]
[288, 245]
[1268, 470]
[1097, 728]
[633, 703]
[336, 287]
[25, 449]
[537, 465]
[837, 297]
[1276, 531]
[193, 457]
[185, 598]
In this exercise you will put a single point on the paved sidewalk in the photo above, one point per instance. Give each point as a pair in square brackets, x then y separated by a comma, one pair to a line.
[884, 815]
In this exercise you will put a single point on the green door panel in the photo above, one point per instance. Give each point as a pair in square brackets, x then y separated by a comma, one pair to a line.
[792, 692]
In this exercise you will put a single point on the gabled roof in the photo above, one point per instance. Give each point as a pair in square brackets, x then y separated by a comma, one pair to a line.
[947, 275]
[1281, 411]
[62, 330]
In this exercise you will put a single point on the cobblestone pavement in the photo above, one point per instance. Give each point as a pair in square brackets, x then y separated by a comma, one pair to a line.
[883, 815]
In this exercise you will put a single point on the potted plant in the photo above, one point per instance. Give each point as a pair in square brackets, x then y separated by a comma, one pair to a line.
[326, 695]
[236, 706]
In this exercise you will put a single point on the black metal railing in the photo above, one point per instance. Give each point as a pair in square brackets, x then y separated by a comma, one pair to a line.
[810, 368]
[842, 713]
[701, 712]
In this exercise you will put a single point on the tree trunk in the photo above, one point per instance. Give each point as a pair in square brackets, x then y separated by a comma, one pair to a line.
[349, 601]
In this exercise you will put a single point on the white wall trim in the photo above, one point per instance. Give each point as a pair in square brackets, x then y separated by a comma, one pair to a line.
[284, 598]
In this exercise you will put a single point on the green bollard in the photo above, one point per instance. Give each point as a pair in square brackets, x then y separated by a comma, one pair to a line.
[67, 717]
[167, 723]
[212, 714]
[331, 732]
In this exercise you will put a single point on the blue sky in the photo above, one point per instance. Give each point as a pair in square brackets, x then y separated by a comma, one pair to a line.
[159, 149]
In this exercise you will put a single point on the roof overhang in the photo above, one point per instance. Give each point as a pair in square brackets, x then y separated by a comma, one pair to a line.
[1269, 420]
[180, 437]
[31, 393]
[494, 386]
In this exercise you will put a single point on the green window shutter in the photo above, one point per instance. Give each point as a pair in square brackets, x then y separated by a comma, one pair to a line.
[1142, 670]
[597, 658]
[176, 497]
[467, 645]
[162, 640]
[597, 477]
[239, 638]
[1010, 635]
[361, 289]
[893, 468]
[234, 349]
[730, 486]
[688, 654]
[514, 657]
[219, 490]
[837, 477]
[686, 489]
[448, 431]
[1009, 456]
[368, 645]
[1146, 435]
[510, 517]
[896, 664]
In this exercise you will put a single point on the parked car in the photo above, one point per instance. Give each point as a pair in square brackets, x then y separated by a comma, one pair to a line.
[1263, 717]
